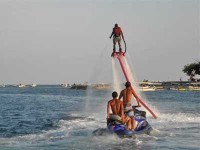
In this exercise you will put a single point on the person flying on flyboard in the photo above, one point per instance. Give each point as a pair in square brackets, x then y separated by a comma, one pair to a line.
[117, 36]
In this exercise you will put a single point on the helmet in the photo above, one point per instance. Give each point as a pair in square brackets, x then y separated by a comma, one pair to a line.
[114, 94]
[128, 84]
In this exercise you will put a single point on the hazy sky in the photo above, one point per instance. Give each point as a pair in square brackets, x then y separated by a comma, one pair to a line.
[57, 41]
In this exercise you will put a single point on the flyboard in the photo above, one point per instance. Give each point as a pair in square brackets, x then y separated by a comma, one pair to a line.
[119, 56]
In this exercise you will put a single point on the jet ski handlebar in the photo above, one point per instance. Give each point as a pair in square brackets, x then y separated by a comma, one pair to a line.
[136, 106]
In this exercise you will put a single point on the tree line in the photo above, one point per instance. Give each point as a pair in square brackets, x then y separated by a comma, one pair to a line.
[192, 70]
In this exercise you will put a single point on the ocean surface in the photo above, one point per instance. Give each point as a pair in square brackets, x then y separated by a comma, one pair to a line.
[56, 118]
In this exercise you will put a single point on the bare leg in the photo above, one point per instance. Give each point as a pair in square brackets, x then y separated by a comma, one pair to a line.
[114, 43]
[119, 43]
[114, 49]
[129, 124]
[127, 121]
[133, 124]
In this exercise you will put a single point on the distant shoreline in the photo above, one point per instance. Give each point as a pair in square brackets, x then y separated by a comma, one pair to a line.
[166, 82]
[142, 86]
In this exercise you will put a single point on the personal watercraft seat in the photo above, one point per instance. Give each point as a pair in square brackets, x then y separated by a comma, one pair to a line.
[114, 119]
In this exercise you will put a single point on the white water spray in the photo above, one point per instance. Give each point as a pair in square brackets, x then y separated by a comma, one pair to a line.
[116, 82]
[136, 86]
[132, 80]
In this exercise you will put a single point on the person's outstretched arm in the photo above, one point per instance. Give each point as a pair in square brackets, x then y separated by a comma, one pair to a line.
[111, 34]
[136, 97]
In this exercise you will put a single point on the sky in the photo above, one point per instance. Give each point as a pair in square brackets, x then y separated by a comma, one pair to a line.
[67, 41]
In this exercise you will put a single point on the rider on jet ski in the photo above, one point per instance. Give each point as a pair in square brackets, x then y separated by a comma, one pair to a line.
[126, 94]
[116, 106]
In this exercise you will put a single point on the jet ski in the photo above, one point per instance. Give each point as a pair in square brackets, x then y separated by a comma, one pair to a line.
[115, 126]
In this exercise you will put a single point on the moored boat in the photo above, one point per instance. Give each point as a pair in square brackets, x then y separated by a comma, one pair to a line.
[21, 85]
[33, 85]
[147, 88]
[79, 86]
[101, 86]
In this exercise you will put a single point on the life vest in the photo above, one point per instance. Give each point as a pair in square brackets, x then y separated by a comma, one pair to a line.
[117, 31]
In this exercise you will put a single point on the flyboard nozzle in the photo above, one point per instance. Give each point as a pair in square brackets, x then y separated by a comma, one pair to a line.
[113, 54]
[117, 54]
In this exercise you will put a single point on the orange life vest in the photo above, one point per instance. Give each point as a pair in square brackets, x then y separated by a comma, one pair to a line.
[117, 31]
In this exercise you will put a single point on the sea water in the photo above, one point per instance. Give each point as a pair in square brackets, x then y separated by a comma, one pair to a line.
[57, 118]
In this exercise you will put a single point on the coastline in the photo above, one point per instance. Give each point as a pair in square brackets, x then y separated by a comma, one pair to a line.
[142, 86]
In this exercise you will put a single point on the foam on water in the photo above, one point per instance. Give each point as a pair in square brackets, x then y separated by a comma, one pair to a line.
[76, 126]
[65, 129]
[180, 118]
[175, 124]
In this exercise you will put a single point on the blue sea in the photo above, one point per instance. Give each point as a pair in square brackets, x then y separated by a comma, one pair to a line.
[51, 117]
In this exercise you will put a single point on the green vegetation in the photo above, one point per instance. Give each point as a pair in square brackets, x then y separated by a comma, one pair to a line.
[192, 70]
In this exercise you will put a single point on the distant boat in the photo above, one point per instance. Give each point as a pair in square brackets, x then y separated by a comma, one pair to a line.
[147, 88]
[150, 86]
[79, 86]
[33, 85]
[188, 87]
[180, 88]
[194, 86]
[21, 85]
[66, 85]
[101, 86]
